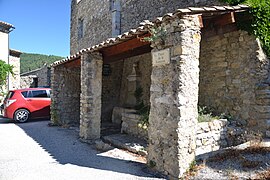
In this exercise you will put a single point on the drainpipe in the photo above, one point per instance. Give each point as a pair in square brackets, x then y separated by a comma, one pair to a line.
[8, 80]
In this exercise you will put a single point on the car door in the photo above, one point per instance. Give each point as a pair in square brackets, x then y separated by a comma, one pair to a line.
[39, 101]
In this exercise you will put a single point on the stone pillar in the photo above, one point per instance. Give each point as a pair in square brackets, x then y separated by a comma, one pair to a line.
[91, 87]
[55, 110]
[174, 98]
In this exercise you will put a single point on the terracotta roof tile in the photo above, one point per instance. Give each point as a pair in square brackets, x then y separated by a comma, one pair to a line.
[6, 27]
[144, 27]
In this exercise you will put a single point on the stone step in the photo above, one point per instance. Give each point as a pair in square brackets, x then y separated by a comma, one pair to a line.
[127, 142]
[264, 87]
[262, 109]
[263, 93]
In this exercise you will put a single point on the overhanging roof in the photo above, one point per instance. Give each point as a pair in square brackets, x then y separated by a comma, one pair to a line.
[6, 27]
[144, 27]
[15, 53]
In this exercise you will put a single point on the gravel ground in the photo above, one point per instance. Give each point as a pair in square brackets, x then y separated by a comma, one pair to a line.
[33, 151]
[239, 163]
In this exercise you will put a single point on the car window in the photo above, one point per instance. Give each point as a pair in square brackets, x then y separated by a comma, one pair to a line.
[10, 94]
[38, 94]
[24, 93]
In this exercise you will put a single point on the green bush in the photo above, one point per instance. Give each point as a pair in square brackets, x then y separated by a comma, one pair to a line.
[205, 114]
[260, 23]
[5, 69]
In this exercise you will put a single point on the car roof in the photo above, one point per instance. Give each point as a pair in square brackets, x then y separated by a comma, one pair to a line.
[30, 89]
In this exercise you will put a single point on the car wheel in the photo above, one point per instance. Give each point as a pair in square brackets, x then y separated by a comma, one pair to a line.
[21, 115]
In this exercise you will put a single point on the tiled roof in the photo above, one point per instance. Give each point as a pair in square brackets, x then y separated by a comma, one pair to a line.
[14, 52]
[6, 26]
[144, 27]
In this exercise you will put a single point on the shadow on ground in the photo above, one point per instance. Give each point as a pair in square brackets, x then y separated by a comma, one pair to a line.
[64, 145]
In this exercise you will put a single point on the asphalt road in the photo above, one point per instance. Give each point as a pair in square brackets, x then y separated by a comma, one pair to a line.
[32, 151]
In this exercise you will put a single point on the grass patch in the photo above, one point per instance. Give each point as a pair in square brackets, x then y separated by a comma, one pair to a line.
[205, 114]
[193, 170]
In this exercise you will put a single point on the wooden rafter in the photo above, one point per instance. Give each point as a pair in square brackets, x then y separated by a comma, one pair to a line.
[217, 21]
[125, 48]
[73, 63]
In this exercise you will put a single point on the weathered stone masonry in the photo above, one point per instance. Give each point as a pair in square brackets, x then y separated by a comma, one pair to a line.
[174, 98]
[66, 88]
[98, 17]
[111, 88]
[91, 87]
[233, 69]
[174, 91]
[115, 86]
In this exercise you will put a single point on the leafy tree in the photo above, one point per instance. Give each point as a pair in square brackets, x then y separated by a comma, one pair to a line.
[31, 62]
[5, 69]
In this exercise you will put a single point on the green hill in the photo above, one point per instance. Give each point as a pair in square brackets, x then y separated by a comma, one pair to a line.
[31, 62]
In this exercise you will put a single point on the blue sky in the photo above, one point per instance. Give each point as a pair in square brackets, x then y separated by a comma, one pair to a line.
[42, 26]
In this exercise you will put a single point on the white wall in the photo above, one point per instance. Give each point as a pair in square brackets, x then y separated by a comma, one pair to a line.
[4, 47]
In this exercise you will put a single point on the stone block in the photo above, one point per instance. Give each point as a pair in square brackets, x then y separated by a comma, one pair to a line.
[204, 126]
[177, 50]
[263, 109]
[101, 146]
[117, 115]
[267, 134]
[268, 124]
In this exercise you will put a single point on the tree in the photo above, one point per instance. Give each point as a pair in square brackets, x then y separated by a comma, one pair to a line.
[5, 69]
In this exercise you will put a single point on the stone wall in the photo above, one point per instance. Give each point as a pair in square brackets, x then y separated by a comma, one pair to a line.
[97, 17]
[115, 86]
[66, 88]
[27, 81]
[143, 70]
[42, 75]
[135, 11]
[130, 123]
[211, 136]
[111, 86]
[232, 70]
[14, 79]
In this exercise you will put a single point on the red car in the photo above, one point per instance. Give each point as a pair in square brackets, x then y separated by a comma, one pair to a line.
[23, 104]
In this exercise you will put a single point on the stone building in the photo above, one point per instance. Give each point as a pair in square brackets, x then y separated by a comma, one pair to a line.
[14, 60]
[199, 56]
[92, 21]
[40, 77]
[10, 56]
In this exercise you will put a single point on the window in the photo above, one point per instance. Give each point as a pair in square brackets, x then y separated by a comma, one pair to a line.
[111, 5]
[80, 29]
[10, 94]
[35, 82]
[24, 93]
[38, 94]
